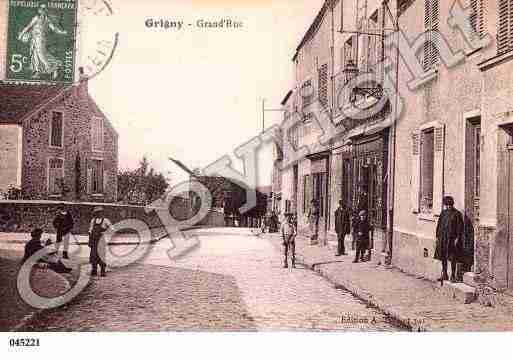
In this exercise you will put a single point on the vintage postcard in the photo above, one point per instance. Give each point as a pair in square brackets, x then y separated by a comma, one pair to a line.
[283, 166]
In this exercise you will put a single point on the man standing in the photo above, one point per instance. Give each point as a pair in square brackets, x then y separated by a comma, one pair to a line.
[361, 230]
[449, 238]
[313, 217]
[63, 224]
[342, 226]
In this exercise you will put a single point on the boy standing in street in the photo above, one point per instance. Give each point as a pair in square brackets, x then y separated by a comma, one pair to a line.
[63, 224]
[288, 231]
[362, 232]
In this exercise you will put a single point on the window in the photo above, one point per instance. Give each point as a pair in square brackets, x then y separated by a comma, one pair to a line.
[372, 42]
[348, 51]
[97, 176]
[307, 93]
[477, 17]
[56, 129]
[97, 133]
[427, 169]
[431, 19]
[319, 190]
[505, 27]
[323, 85]
[55, 176]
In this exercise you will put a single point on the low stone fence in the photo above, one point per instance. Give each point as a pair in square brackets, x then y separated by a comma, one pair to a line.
[23, 216]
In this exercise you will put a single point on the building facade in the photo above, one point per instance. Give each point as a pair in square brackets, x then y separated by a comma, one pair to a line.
[57, 144]
[432, 117]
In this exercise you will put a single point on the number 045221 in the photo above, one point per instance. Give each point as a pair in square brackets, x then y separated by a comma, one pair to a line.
[24, 342]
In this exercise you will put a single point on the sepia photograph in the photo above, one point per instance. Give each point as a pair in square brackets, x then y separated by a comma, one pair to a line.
[270, 173]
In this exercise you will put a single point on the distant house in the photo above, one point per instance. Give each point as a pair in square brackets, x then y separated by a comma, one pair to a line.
[56, 144]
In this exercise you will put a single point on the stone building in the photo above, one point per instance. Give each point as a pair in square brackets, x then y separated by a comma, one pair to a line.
[56, 144]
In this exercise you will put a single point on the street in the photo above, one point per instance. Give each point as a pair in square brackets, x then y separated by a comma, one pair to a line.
[233, 281]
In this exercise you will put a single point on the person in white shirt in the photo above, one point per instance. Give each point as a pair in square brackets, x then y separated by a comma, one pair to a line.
[99, 224]
[289, 232]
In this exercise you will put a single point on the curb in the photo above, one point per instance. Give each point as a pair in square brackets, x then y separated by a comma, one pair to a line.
[412, 324]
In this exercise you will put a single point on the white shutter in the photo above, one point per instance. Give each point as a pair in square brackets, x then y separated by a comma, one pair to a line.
[438, 171]
[105, 180]
[504, 28]
[415, 173]
[89, 180]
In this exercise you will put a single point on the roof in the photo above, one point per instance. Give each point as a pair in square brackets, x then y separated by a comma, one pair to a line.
[18, 100]
[312, 30]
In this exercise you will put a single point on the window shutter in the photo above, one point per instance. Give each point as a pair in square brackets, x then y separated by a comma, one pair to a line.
[415, 173]
[431, 27]
[89, 180]
[477, 17]
[105, 180]
[504, 30]
[438, 172]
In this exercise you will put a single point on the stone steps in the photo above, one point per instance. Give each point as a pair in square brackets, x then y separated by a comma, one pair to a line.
[461, 292]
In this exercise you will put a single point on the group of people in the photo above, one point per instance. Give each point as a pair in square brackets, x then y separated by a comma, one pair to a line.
[454, 242]
[63, 224]
[270, 223]
[357, 224]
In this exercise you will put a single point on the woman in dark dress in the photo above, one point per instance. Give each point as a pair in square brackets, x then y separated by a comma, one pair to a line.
[449, 239]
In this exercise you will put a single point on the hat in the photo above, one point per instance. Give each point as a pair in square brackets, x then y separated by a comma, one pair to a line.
[362, 213]
[98, 209]
[36, 232]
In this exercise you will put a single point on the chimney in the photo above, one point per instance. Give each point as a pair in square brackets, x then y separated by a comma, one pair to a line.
[83, 88]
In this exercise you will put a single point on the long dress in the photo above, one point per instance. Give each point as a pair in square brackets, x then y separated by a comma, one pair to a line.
[448, 229]
[41, 60]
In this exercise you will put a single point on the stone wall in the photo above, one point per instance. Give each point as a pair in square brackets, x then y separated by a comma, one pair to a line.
[23, 216]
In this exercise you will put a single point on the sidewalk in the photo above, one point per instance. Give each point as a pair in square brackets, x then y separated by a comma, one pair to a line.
[418, 304]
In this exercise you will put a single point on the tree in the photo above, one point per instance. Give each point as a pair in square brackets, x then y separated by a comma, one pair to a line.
[142, 185]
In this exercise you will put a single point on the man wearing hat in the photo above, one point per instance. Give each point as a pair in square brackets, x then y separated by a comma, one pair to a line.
[63, 224]
[288, 232]
[98, 226]
[449, 238]
[342, 226]
[362, 230]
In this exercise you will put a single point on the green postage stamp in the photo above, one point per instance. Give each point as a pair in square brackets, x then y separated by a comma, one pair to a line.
[41, 41]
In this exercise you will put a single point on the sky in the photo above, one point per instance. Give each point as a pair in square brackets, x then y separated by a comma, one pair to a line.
[196, 94]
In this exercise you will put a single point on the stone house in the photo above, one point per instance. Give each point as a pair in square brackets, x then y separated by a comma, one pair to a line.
[56, 144]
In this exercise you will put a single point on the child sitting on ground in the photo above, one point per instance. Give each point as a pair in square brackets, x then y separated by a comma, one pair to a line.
[50, 259]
